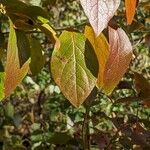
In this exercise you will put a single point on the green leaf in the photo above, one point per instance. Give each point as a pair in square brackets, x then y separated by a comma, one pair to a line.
[21, 13]
[37, 56]
[22, 9]
[47, 29]
[23, 47]
[74, 67]
[14, 74]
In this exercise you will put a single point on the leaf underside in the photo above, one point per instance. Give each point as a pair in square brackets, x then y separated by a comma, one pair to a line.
[99, 12]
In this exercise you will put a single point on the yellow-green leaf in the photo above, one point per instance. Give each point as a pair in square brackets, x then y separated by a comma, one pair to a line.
[74, 67]
[37, 57]
[2, 78]
[14, 74]
[23, 46]
[101, 48]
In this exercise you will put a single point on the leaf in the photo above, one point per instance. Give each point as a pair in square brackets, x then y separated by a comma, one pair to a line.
[2, 44]
[23, 46]
[101, 48]
[130, 10]
[37, 57]
[135, 26]
[2, 41]
[99, 12]
[2, 78]
[142, 85]
[147, 40]
[48, 30]
[118, 60]
[60, 138]
[74, 67]
[22, 9]
[14, 74]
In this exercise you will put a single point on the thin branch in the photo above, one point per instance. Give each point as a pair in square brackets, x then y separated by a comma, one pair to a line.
[85, 129]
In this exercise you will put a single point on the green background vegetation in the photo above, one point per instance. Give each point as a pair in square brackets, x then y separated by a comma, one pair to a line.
[38, 117]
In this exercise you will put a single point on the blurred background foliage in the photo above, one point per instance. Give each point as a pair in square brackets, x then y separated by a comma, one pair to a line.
[38, 117]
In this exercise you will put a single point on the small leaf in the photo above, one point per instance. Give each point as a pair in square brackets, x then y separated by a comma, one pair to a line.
[37, 57]
[118, 60]
[48, 30]
[99, 12]
[74, 67]
[101, 48]
[130, 10]
[14, 74]
[23, 24]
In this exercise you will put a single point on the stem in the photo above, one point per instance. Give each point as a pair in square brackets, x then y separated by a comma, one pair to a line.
[85, 129]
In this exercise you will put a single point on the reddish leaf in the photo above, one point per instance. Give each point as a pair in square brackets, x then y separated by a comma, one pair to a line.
[118, 60]
[130, 10]
[14, 74]
[99, 12]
